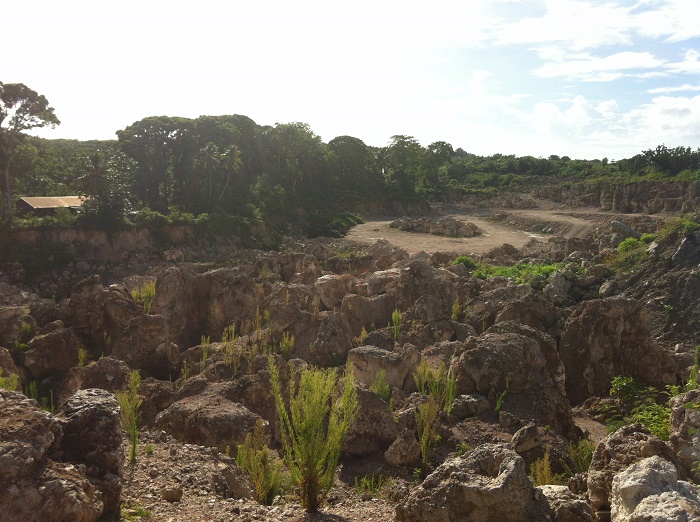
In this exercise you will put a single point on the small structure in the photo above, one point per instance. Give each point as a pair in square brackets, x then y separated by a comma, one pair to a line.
[47, 206]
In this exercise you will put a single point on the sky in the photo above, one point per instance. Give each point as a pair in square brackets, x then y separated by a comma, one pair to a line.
[579, 78]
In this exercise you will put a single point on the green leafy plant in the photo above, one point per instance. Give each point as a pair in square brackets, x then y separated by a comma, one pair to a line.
[381, 387]
[287, 345]
[462, 447]
[581, 455]
[129, 403]
[426, 417]
[264, 470]
[149, 449]
[82, 356]
[501, 398]
[145, 295]
[371, 484]
[314, 426]
[467, 261]
[11, 382]
[541, 471]
[396, 319]
[637, 404]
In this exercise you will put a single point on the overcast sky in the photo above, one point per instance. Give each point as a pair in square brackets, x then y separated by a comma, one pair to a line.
[587, 79]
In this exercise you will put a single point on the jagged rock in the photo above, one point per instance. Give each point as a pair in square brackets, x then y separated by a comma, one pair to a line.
[52, 354]
[92, 435]
[567, 506]
[230, 481]
[11, 320]
[107, 373]
[530, 311]
[608, 337]
[333, 343]
[557, 290]
[156, 396]
[685, 430]
[688, 251]
[7, 364]
[367, 361]
[207, 419]
[488, 483]
[332, 288]
[34, 488]
[497, 294]
[171, 493]
[384, 254]
[418, 278]
[374, 428]
[404, 451]
[627, 231]
[145, 345]
[367, 312]
[85, 309]
[615, 453]
[650, 490]
[526, 438]
[429, 308]
[470, 405]
[495, 361]
[383, 281]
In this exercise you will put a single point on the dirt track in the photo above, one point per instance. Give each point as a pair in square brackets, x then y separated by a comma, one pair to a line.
[580, 223]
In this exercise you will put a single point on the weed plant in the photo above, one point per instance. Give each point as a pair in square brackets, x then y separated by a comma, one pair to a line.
[371, 484]
[11, 382]
[145, 295]
[542, 474]
[129, 403]
[313, 427]
[381, 387]
[426, 417]
[265, 471]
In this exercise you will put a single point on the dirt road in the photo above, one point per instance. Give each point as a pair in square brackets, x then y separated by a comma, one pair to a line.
[495, 233]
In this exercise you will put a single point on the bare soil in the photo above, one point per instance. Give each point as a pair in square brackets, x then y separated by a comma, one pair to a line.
[581, 222]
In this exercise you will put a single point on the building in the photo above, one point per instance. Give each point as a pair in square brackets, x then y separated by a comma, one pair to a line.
[47, 206]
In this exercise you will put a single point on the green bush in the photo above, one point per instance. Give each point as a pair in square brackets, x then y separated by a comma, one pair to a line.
[129, 403]
[314, 426]
[628, 245]
[467, 261]
[521, 273]
[264, 470]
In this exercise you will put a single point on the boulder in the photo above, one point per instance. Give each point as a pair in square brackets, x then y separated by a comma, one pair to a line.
[383, 281]
[33, 487]
[404, 451]
[367, 361]
[607, 337]
[512, 365]
[208, 419]
[526, 438]
[367, 312]
[52, 354]
[488, 483]
[614, 454]
[418, 278]
[688, 250]
[7, 364]
[373, 429]
[685, 430]
[332, 288]
[145, 345]
[650, 490]
[384, 254]
[567, 506]
[107, 373]
[15, 325]
[470, 405]
[92, 435]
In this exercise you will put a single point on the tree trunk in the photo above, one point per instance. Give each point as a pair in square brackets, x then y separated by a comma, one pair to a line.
[7, 211]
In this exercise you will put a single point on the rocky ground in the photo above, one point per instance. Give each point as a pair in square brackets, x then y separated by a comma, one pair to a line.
[532, 362]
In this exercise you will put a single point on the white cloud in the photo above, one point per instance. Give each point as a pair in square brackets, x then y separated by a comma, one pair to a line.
[680, 88]
[595, 68]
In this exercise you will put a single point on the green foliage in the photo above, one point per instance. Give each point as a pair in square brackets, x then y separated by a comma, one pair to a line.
[638, 404]
[463, 447]
[133, 513]
[467, 261]
[129, 403]
[541, 471]
[426, 417]
[581, 455]
[521, 273]
[680, 226]
[396, 319]
[629, 244]
[381, 387]
[149, 449]
[371, 484]
[255, 458]
[287, 345]
[11, 382]
[501, 398]
[145, 295]
[82, 356]
[423, 376]
[314, 426]
[456, 310]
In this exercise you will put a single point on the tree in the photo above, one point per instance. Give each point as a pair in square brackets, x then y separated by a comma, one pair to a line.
[21, 109]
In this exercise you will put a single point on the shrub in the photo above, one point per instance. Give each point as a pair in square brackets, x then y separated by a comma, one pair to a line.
[628, 245]
[396, 319]
[129, 403]
[145, 295]
[467, 261]
[541, 471]
[314, 426]
[426, 415]
[381, 387]
[264, 470]
[11, 382]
